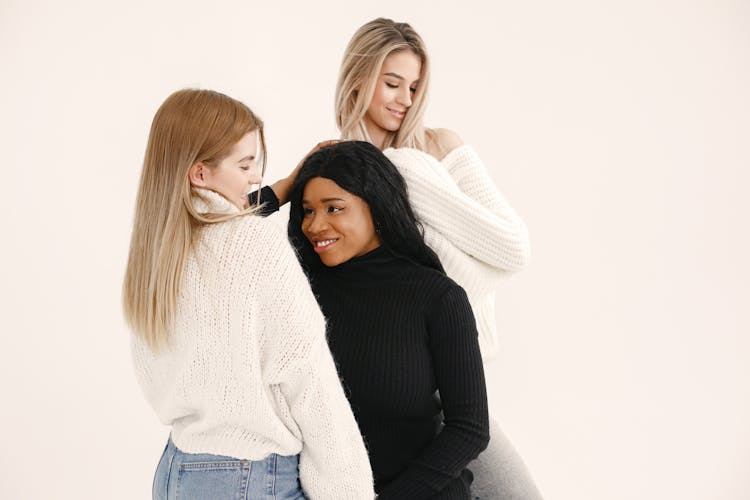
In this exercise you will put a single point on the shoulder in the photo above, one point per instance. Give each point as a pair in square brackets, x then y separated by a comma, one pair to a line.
[451, 291]
[449, 309]
[445, 137]
[441, 141]
[437, 285]
[259, 242]
[255, 228]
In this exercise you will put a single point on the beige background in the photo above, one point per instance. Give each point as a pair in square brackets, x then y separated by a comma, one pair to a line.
[619, 130]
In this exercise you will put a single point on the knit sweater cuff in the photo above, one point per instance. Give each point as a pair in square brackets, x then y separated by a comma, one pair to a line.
[268, 199]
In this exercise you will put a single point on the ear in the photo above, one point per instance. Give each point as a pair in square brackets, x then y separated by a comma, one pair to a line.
[198, 174]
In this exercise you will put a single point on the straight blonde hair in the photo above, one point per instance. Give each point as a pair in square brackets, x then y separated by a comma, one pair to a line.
[358, 76]
[190, 126]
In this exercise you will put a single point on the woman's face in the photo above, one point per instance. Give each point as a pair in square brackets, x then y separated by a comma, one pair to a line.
[235, 175]
[394, 89]
[337, 223]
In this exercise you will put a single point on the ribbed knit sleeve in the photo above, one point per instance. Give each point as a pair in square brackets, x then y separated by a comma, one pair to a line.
[460, 380]
[459, 200]
[303, 379]
[269, 201]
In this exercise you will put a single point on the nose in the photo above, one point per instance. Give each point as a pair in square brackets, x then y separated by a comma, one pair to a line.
[254, 176]
[404, 97]
[315, 224]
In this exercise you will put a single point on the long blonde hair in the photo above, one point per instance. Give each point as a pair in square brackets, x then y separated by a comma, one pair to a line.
[190, 126]
[358, 76]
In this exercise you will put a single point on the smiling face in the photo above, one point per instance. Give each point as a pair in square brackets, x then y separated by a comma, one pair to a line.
[337, 223]
[397, 82]
[235, 175]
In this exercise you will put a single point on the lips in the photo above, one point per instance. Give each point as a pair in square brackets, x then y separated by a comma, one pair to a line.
[398, 114]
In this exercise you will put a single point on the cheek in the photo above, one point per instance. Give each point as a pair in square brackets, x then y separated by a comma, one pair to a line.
[361, 229]
[227, 180]
[380, 97]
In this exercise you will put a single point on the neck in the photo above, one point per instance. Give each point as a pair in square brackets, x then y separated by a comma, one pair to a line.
[377, 134]
[370, 269]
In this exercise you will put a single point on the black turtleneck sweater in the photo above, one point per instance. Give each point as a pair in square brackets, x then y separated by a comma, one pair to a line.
[400, 332]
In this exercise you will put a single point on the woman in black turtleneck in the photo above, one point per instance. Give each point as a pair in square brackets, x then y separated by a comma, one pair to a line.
[400, 330]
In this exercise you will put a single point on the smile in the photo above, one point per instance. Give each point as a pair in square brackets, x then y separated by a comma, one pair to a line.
[397, 114]
[323, 245]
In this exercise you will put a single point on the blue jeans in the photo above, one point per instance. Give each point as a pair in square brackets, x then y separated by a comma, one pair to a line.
[200, 476]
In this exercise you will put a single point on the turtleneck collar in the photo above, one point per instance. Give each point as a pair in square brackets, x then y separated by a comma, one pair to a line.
[206, 201]
[373, 267]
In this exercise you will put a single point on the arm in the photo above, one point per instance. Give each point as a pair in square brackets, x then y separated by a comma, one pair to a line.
[333, 459]
[469, 212]
[270, 203]
[460, 380]
[470, 175]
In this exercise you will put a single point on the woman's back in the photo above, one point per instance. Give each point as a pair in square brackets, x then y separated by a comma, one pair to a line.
[225, 349]
[247, 372]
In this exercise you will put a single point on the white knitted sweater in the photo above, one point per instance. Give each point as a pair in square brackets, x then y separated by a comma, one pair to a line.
[469, 224]
[248, 371]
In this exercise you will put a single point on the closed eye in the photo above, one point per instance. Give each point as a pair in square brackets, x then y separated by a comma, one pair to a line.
[395, 86]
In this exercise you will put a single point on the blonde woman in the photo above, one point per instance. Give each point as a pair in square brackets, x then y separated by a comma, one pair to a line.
[381, 98]
[229, 343]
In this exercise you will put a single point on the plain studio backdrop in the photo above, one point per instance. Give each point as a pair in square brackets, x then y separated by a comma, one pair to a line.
[620, 132]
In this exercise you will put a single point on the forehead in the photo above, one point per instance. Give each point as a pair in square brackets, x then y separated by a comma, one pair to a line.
[405, 63]
[245, 146]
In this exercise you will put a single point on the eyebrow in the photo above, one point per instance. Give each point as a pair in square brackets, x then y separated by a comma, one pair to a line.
[396, 75]
[246, 158]
[326, 200]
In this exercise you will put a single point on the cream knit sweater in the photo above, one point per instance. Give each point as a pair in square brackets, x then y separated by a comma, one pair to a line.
[248, 371]
[469, 224]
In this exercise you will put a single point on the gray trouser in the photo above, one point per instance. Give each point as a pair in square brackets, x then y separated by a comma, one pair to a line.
[499, 472]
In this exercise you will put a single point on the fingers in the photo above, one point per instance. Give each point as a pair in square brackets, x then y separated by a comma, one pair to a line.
[318, 147]
[325, 144]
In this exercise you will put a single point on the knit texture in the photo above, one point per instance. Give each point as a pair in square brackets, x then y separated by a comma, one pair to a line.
[399, 332]
[475, 232]
[247, 371]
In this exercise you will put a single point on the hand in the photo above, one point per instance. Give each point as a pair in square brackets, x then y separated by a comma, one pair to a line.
[282, 187]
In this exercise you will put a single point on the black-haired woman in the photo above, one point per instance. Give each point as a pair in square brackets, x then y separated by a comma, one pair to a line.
[400, 330]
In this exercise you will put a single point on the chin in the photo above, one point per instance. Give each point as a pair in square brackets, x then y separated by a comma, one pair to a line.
[392, 125]
[333, 260]
[330, 262]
